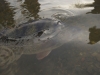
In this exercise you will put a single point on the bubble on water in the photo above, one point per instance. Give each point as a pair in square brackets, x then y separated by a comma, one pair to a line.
[63, 15]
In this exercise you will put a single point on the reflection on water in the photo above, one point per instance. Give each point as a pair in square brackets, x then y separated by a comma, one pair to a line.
[96, 6]
[76, 57]
[14, 12]
[96, 9]
[77, 7]
[33, 8]
[94, 35]
[6, 14]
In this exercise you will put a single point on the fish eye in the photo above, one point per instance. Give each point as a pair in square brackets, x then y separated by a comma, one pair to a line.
[39, 33]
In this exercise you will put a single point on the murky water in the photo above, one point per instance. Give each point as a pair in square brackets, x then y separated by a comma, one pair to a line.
[79, 56]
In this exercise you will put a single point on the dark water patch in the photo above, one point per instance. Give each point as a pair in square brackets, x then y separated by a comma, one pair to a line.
[94, 35]
[6, 14]
[96, 6]
[33, 6]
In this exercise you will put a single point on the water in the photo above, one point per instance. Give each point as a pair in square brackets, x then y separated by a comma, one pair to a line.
[78, 57]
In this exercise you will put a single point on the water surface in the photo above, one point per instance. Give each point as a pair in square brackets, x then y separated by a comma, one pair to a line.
[80, 56]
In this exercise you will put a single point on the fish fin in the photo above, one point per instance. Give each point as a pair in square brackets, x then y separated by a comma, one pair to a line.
[42, 55]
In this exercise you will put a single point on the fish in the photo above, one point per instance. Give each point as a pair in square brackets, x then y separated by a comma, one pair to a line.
[42, 36]
[32, 38]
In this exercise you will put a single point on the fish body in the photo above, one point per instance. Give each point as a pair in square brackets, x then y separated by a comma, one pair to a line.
[42, 36]
[31, 38]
